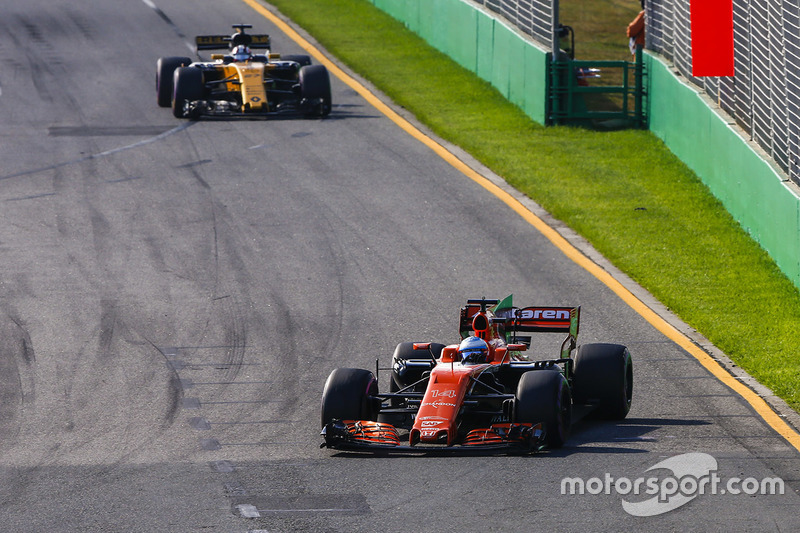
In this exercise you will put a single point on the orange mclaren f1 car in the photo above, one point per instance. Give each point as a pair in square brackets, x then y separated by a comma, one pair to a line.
[483, 393]
[242, 83]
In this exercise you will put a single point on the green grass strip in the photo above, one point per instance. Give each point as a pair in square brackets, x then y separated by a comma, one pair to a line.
[624, 191]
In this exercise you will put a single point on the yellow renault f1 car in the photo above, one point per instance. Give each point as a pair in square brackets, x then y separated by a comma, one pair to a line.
[241, 83]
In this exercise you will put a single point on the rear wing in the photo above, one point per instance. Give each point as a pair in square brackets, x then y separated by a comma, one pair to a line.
[547, 320]
[509, 321]
[220, 42]
[528, 319]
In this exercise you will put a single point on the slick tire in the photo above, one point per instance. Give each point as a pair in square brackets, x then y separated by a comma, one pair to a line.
[603, 376]
[403, 375]
[188, 87]
[543, 396]
[315, 86]
[303, 60]
[165, 71]
[403, 352]
[349, 395]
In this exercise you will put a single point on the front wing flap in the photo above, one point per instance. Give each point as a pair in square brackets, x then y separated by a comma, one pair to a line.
[367, 435]
[224, 108]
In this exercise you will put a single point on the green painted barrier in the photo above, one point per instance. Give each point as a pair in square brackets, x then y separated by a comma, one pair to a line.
[482, 44]
[764, 203]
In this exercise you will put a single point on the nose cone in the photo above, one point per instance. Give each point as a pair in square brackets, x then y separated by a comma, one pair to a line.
[430, 436]
[435, 422]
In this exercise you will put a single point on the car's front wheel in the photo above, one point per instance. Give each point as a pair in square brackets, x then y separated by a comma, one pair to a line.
[543, 396]
[188, 87]
[315, 89]
[349, 394]
[165, 72]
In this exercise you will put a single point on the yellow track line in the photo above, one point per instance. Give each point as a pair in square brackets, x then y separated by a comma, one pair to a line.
[755, 401]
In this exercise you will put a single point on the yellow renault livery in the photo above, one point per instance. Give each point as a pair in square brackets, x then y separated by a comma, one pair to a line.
[242, 83]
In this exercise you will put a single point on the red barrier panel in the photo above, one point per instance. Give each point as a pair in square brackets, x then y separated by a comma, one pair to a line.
[712, 37]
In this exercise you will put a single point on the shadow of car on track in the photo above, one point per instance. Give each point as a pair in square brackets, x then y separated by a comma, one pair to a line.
[589, 432]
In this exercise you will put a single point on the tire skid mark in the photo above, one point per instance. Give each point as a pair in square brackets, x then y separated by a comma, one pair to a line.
[100, 155]
[101, 229]
[171, 24]
[175, 399]
[37, 68]
[17, 386]
[108, 319]
[26, 344]
[174, 387]
[46, 66]
[235, 337]
[83, 24]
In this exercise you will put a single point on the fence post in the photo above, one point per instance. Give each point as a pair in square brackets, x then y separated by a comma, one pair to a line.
[638, 94]
[554, 88]
[556, 44]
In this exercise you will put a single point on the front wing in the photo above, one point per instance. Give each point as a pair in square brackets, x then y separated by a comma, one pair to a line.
[367, 435]
[224, 108]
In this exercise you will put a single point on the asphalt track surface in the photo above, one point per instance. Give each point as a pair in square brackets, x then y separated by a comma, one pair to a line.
[174, 294]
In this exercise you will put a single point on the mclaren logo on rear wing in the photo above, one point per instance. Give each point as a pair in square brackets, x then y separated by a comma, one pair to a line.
[546, 319]
[541, 319]
[220, 42]
[549, 319]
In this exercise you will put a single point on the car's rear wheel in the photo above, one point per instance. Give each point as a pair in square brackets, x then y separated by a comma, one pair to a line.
[543, 396]
[603, 376]
[188, 87]
[349, 394]
[165, 72]
[315, 89]
[303, 60]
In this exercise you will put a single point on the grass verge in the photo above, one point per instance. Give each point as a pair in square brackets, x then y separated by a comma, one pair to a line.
[623, 191]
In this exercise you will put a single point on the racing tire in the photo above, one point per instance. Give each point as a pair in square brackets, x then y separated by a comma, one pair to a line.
[315, 86]
[405, 351]
[302, 60]
[349, 395]
[165, 71]
[188, 87]
[543, 396]
[603, 376]
[403, 376]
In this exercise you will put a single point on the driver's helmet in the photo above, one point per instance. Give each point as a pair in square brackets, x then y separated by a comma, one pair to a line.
[241, 53]
[473, 350]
